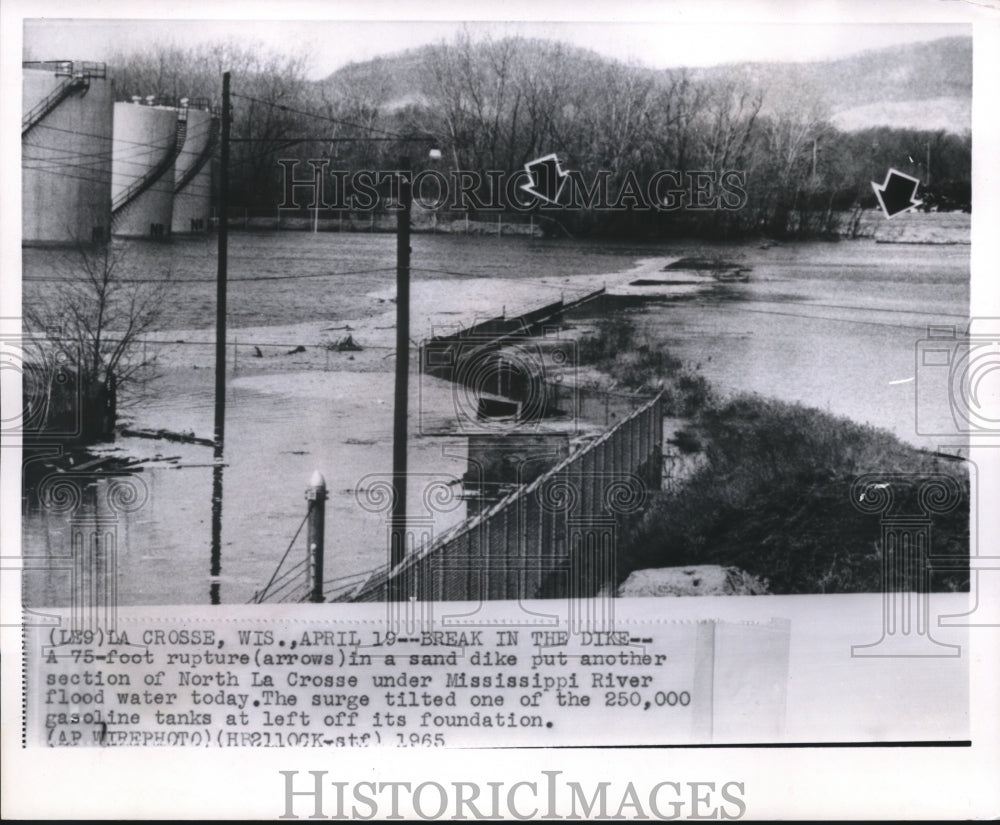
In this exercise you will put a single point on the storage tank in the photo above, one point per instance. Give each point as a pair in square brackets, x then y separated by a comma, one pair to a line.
[66, 147]
[148, 136]
[193, 169]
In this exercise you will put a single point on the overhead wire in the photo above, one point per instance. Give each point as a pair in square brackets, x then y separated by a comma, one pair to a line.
[150, 145]
[212, 280]
[95, 173]
[329, 119]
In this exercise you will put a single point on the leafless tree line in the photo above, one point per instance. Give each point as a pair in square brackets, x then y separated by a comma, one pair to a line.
[497, 103]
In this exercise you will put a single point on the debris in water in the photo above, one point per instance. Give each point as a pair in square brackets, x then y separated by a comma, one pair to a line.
[348, 344]
[167, 435]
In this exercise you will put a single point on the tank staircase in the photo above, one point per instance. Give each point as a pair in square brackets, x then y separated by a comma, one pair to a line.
[76, 78]
[121, 204]
[203, 156]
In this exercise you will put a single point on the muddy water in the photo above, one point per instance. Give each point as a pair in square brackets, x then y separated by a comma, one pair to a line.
[831, 325]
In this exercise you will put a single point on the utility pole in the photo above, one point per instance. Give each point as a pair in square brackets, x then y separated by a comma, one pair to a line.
[397, 547]
[220, 287]
[220, 347]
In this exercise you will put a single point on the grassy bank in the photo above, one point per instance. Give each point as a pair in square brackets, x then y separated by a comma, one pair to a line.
[616, 350]
[771, 491]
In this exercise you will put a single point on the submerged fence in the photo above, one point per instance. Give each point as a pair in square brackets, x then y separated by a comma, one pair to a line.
[556, 536]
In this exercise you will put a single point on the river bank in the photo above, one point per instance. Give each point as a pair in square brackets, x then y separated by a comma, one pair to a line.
[908, 227]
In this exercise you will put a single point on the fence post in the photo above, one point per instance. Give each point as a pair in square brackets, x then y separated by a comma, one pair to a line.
[316, 496]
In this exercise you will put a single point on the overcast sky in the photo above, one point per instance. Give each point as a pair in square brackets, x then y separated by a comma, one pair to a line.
[332, 44]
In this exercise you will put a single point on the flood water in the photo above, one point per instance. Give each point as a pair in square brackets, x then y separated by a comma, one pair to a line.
[831, 325]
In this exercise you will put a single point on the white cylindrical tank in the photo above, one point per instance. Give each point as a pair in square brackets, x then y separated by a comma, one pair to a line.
[66, 148]
[146, 138]
[193, 174]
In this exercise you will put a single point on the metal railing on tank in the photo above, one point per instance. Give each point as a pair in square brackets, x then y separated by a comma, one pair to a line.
[70, 68]
[77, 74]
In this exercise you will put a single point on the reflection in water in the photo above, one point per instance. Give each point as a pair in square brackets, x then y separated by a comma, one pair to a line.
[216, 563]
[76, 522]
[93, 546]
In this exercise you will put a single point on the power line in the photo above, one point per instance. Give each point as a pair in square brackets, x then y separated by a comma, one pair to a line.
[255, 278]
[101, 174]
[141, 340]
[305, 275]
[111, 137]
[140, 144]
[107, 154]
[98, 174]
[157, 187]
[163, 184]
[336, 121]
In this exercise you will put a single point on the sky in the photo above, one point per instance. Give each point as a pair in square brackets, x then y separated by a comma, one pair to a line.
[331, 44]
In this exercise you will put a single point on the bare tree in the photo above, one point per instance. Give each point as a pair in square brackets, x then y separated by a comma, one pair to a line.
[792, 134]
[88, 326]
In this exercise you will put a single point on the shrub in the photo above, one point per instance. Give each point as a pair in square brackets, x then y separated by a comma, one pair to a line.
[613, 350]
[772, 498]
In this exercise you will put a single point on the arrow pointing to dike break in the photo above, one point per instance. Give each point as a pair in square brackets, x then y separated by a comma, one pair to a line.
[897, 194]
[546, 178]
